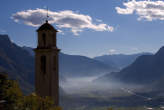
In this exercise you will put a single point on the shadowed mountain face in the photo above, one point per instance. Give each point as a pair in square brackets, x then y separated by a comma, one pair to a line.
[147, 69]
[17, 62]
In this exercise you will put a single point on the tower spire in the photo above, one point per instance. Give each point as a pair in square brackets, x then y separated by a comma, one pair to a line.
[47, 16]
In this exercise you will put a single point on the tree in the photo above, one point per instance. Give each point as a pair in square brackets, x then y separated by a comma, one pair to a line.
[10, 92]
[15, 100]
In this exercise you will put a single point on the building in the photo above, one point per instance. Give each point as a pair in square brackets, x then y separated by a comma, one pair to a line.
[46, 63]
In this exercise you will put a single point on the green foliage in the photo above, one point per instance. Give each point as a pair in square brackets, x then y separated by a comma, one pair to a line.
[34, 102]
[10, 92]
[15, 100]
[110, 109]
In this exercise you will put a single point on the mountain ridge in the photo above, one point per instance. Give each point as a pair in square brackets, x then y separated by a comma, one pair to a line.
[146, 69]
[18, 63]
[120, 60]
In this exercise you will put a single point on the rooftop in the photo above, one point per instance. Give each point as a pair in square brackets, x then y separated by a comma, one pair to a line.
[46, 26]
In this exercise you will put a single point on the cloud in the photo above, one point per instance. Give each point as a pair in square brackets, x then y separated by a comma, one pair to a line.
[146, 9]
[74, 21]
[112, 51]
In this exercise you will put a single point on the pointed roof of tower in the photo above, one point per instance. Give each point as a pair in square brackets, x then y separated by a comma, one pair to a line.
[46, 26]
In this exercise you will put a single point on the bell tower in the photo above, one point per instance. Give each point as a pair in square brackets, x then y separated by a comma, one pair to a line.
[46, 63]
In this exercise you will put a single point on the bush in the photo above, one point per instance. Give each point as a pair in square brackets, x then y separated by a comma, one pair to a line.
[15, 100]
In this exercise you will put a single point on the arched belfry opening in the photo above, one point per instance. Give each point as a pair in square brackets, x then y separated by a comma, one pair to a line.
[46, 63]
[44, 39]
[43, 64]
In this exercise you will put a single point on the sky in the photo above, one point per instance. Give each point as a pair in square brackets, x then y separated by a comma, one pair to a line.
[88, 27]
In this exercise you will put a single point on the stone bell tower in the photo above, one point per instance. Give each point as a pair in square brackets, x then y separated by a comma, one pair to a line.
[46, 63]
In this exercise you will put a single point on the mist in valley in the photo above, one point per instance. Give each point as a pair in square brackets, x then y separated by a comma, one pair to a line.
[88, 93]
[89, 87]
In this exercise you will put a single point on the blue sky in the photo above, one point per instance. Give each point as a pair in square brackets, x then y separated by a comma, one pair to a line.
[134, 29]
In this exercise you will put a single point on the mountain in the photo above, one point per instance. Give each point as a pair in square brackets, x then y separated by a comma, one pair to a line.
[79, 66]
[16, 62]
[119, 60]
[29, 50]
[147, 69]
